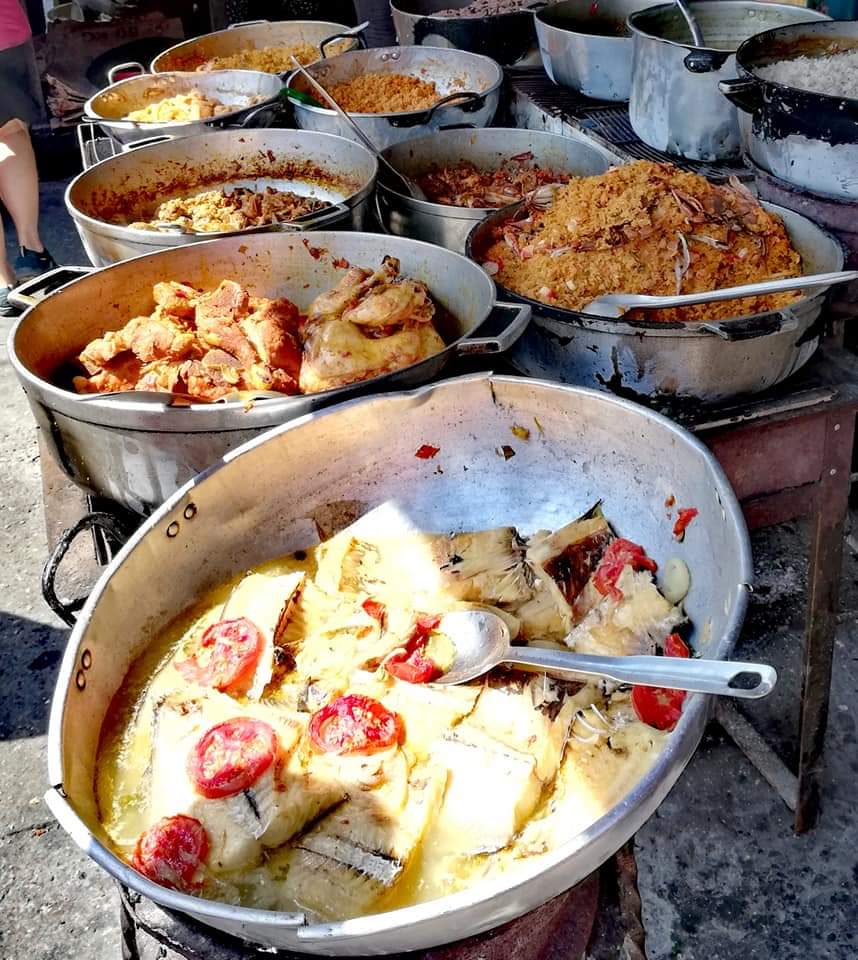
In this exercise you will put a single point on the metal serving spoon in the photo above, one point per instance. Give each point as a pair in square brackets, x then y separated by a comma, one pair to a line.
[693, 25]
[614, 305]
[411, 187]
[481, 641]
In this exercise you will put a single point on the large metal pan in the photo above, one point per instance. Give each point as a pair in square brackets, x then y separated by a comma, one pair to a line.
[137, 453]
[469, 86]
[103, 200]
[508, 38]
[264, 499]
[246, 91]
[487, 149]
[254, 35]
[647, 360]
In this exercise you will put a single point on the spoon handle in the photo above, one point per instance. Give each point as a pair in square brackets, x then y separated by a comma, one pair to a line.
[722, 677]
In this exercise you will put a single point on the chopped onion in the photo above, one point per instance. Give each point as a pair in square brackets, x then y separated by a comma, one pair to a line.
[675, 581]
[490, 267]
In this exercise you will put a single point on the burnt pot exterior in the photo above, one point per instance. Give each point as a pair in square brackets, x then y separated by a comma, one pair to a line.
[269, 498]
[650, 361]
[139, 453]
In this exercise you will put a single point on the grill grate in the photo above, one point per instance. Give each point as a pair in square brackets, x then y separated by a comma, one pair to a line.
[609, 122]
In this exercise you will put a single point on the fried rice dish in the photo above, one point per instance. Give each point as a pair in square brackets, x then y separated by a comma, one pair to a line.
[213, 211]
[385, 93]
[207, 345]
[180, 108]
[271, 59]
[465, 185]
[644, 228]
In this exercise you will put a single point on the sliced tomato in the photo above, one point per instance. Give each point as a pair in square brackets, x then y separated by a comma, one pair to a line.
[619, 554]
[675, 646]
[171, 852]
[231, 756]
[374, 609]
[684, 516]
[236, 647]
[410, 664]
[355, 724]
[659, 707]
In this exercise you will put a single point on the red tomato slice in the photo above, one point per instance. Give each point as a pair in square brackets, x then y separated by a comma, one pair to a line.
[231, 756]
[684, 516]
[619, 554]
[659, 707]
[171, 852]
[675, 646]
[374, 609]
[409, 664]
[355, 724]
[236, 646]
[426, 451]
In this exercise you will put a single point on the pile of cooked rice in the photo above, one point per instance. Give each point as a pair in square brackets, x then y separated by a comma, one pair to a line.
[183, 107]
[384, 93]
[835, 75]
[645, 228]
[273, 59]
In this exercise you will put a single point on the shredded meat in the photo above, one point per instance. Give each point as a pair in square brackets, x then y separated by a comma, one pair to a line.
[645, 228]
[237, 209]
[205, 346]
[465, 185]
[384, 93]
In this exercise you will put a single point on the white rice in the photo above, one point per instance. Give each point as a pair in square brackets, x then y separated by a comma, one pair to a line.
[835, 75]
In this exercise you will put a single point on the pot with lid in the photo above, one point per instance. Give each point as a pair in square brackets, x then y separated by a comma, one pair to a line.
[803, 113]
[675, 103]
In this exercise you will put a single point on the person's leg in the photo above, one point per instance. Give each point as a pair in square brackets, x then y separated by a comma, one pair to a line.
[19, 187]
[7, 274]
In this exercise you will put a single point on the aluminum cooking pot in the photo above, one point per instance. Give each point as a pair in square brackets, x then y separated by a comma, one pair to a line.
[588, 47]
[675, 103]
[137, 453]
[648, 360]
[246, 91]
[468, 84]
[508, 38]
[330, 469]
[486, 149]
[192, 54]
[807, 139]
[130, 186]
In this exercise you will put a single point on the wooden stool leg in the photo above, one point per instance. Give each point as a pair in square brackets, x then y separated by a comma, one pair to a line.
[822, 607]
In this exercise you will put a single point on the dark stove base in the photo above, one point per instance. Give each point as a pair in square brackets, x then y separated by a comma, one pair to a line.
[593, 919]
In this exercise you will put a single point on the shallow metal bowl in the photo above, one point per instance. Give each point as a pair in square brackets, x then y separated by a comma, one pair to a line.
[103, 200]
[269, 498]
[243, 90]
[470, 82]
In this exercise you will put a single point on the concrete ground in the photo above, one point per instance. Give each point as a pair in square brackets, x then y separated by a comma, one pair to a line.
[722, 876]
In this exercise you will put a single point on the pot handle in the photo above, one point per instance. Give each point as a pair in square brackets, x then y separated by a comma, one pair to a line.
[67, 610]
[753, 327]
[309, 222]
[471, 101]
[513, 328]
[743, 92]
[35, 290]
[134, 65]
[356, 33]
[379, 216]
[148, 141]
[704, 61]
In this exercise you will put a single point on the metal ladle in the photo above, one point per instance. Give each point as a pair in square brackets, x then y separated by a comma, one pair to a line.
[693, 26]
[481, 641]
[411, 187]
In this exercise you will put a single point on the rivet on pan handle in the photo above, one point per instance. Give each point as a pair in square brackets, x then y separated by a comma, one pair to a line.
[67, 610]
[505, 338]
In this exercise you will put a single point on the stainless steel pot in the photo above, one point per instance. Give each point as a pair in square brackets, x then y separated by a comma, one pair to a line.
[246, 91]
[508, 38]
[138, 454]
[807, 139]
[130, 186]
[675, 104]
[469, 86]
[191, 54]
[587, 46]
[487, 149]
[648, 360]
[343, 464]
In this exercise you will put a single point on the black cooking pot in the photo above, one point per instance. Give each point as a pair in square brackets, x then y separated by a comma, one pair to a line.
[808, 139]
